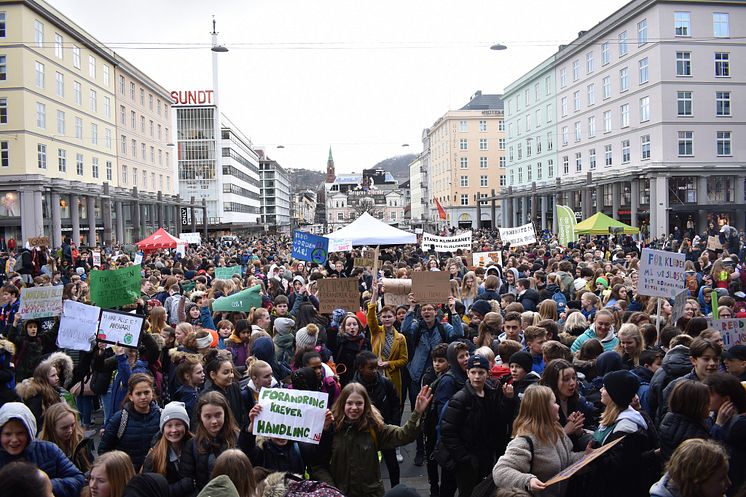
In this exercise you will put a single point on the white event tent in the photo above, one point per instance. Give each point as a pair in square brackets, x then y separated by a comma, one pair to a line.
[367, 230]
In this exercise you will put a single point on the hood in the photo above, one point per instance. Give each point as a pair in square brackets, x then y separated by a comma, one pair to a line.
[591, 332]
[64, 365]
[676, 362]
[704, 306]
[552, 288]
[531, 294]
[220, 486]
[455, 368]
[630, 420]
[516, 276]
[19, 411]
[27, 389]
[275, 485]
[661, 488]
[643, 373]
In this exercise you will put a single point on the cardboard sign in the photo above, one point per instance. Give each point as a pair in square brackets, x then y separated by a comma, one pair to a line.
[291, 414]
[396, 291]
[96, 258]
[120, 328]
[678, 305]
[446, 243]
[78, 326]
[226, 273]
[308, 247]
[138, 259]
[338, 293]
[367, 259]
[191, 238]
[581, 463]
[340, 245]
[431, 287]
[518, 236]
[242, 301]
[40, 302]
[486, 259]
[116, 287]
[662, 273]
[39, 241]
[732, 330]
[713, 243]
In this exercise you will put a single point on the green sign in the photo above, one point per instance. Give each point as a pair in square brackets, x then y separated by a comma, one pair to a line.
[187, 285]
[226, 273]
[242, 301]
[565, 225]
[115, 287]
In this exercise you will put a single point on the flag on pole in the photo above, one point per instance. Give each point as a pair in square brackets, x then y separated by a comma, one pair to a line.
[441, 211]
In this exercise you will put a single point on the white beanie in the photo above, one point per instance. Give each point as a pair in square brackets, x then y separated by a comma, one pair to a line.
[306, 336]
[174, 410]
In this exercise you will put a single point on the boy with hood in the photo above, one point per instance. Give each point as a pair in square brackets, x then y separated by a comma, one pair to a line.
[509, 286]
[284, 340]
[29, 347]
[527, 296]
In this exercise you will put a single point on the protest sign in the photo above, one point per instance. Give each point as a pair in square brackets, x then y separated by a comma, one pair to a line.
[78, 326]
[39, 241]
[486, 259]
[396, 291]
[308, 247]
[115, 287]
[446, 243]
[120, 328]
[518, 236]
[226, 273]
[581, 463]
[340, 245]
[96, 258]
[338, 293]
[191, 238]
[566, 225]
[431, 287]
[291, 414]
[662, 273]
[242, 301]
[678, 305]
[40, 302]
[138, 259]
[367, 259]
[713, 243]
[733, 331]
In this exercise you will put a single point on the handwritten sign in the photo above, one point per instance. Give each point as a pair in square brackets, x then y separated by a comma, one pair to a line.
[396, 291]
[662, 273]
[308, 247]
[431, 287]
[78, 326]
[291, 414]
[713, 243]
[138, 259]
[678, 305]
[116, 287]
[367, 259]
[338, 293]
[581, 463]
[340, 245]
[191, 238]
[120, 328]
[518, 236]
[96, 258]
[40, 302]
[733, 331]
[226, 273]
[39, 241]
[486, 259]
[446, 243]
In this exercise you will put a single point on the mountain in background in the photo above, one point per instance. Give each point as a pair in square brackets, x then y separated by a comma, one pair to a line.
[398, 166]
[302, 179]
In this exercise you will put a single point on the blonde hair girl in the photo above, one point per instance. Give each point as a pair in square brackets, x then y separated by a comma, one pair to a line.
[62, 427]
[630, 344]
[109, 475]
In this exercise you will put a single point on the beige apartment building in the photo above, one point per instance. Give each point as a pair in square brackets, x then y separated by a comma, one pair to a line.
[466, 161]
[61, 157]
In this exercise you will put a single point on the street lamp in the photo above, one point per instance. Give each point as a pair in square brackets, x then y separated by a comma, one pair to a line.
[216, 49]
[498, 46]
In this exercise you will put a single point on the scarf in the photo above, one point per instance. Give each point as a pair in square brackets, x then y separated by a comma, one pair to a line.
[387, 344]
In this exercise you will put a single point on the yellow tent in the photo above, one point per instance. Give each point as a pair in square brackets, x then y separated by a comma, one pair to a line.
[599, 224]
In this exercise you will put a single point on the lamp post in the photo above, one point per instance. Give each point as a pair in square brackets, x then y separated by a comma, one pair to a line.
[216, 49]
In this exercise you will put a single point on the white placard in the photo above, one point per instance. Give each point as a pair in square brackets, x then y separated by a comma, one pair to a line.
[96, 258]
[340, 245]
[446, 243]
[486, 259]
[40, 302]
[518, 236]
[732, 330]
[662, 273]
[191, 238]
[138, 258]
[78, 326]
[120, 328]
[181, 249]
[291, 414]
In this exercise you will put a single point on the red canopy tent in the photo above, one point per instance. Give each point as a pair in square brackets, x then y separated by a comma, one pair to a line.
[161, 239]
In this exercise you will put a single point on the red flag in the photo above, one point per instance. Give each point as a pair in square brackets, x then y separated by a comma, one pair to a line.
[441, 211]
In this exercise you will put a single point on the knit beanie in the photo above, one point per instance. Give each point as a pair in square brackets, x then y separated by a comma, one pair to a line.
[174, 410]
[579, 284]
[602, 281]
[607, 362]
[481, 307]
[523, 359]
[622, 387]
[306, 336]
[284, 326]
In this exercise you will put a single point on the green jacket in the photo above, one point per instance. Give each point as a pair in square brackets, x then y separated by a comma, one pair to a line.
[353, 464]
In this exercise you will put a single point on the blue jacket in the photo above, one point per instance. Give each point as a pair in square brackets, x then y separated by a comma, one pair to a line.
[138, 434]
[429, 339]
[119, 385]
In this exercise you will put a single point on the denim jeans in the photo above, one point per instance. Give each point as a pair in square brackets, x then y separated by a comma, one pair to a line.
[106, 403]
[85, 407]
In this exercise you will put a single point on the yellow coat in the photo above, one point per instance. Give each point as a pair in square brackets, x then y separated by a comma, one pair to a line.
[398, 357]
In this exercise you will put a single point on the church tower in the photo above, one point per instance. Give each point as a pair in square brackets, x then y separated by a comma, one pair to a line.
[330, 175]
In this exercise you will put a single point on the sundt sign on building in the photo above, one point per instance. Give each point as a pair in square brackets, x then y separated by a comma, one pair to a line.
[192, 97]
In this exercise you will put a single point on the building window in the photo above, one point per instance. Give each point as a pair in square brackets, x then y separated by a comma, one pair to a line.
[575, 70]
[151, 128]
[607, 155]
[39, 34]
[152, 154]
[623, 48]
[682, 24]
[566, 164]
[78, 128]
[121, 84]
[565, 136]
[483, 144]
[592, 158]
[589, 62]
[549, 113]
[578, 133]
[94, 100]
[722, 103]
[501, 143]
[60, 123]
[512, 177]
[502, 180]
[142, 151]
[722, 64]
[76, 57]
[563, 106]
[482, 125]
[645, 147]
[604, 53]
[591, 126]
[642, 32]
[132, 91]
[502, 161]
[563, 77]
[606, 87]
[77, 93]
[607, 121]
[39, 74]
[625, 152]
[464, 181]
[463, 126]
[159, 131]
[525, 97]
[58, 45]
[124, 175]
[538, 144]
[520, 175]
[142, 97]
[79, 164]
[510, 154]
[59, 79]
[591, 92]
[685, 143]
[483, 163]
[550, 168]
[464, 199]
[464, 162]
[94, 167]
[62, 160]
[538, 118]
[41, 115]
[576, 100]
[142, 124]
[134, 149]
[550, 141]
[3, 68]
[684, 103]
[623, 79]
[158, 106]
[107, 138]
[133, 119]
[483, 181]
[107, 107]
[723, 143]
[463, 144]
[644, 109]
[578, 162]
[105, 75]
[528, 147]
[520, 151]
[41, 156]
[160, 157]
[134, 176]
[500, 125]
[122, 115]
[109, 171]
[92, 66]
[529, 173]
[683, 63]
[2, 24]
[643, 65]
[528, 123]
[624, 115]
[94, 134]
[720, 25]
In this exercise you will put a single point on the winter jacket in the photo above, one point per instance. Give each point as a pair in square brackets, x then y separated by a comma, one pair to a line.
[265, 453]
[519, 464]
[348, 348]
[398, 355]
[220, 486]
[383, 395]
[7, 372]
[239, 351]
[520, 386]
[138, 433]
[119, 384]
[733, 436]
[28, 351]
[352, 456]
[67, 480]
[664, 488]
[450, 382]
[419, 354]
[675, 364]
[240, 404]
[529, 299]
[188, 395]
[675, 428]
[663, 407]
[196, 466]
[609, 342]
[176, 485]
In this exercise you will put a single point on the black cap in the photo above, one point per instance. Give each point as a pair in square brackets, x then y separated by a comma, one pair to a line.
[737, 352]
[478, 361]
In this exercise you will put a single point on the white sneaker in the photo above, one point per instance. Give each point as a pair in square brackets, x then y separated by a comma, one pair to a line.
[399, 457]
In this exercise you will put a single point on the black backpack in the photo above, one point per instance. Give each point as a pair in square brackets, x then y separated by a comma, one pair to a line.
[487, 487]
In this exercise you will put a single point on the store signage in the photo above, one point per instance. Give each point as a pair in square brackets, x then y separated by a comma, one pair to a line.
[192, 97]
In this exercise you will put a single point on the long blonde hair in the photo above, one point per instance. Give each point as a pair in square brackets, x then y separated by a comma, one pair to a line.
[535, 417]
[118, 468]
[371, 417]
[52, 415]
[465, 291]
[629, 330]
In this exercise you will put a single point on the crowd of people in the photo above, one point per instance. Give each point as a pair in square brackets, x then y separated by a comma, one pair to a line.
[527, 368]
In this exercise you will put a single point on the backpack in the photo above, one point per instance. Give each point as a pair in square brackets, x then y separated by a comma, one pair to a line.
[441, 331]
[561, 301]
[430, 417]
[487, 487]
[310, 488]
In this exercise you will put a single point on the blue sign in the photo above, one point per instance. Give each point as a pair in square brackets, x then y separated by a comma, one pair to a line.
[308, 247]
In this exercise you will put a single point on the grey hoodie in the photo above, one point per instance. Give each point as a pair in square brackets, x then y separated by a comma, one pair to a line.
[19, 411]
[663, 488]
[220, 486]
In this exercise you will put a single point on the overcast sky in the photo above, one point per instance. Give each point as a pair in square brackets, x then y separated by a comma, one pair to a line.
[361, 76]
